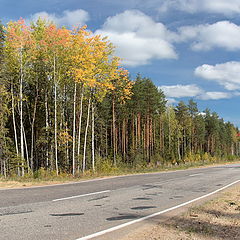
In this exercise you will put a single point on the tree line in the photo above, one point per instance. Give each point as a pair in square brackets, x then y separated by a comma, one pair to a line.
[67, 106]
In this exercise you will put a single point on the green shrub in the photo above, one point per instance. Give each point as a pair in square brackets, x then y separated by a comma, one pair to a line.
[104, 165]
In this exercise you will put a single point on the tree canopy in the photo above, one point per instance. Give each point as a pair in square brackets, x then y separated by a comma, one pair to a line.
[68, 106]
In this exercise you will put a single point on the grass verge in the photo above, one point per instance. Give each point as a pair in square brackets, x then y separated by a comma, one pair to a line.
[43, 177]
[217, 219]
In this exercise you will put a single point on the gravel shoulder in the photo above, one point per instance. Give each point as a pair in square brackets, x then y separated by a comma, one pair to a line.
[216, 219]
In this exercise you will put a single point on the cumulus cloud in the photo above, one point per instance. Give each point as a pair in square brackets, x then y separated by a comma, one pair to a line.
[192, 90]
[222, 34]
[193, 6]
[226, 74]
[215, 95]
[68, 18]
[138, 39]
[178, 91]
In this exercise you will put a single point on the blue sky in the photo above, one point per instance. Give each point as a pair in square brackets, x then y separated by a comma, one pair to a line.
[189, 48]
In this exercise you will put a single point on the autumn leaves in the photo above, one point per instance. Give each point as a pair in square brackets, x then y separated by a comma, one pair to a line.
[49, 59]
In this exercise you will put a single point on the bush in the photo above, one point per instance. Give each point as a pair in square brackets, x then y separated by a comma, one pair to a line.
[206, 157]
[231, 157]
[139, 161]
[157, 159]
[104, 165]
[41, 173]
[192, 158]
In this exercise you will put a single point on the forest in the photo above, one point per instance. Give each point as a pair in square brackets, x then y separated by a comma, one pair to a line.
[68, 106]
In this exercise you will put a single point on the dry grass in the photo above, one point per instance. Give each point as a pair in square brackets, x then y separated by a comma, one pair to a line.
[218, 219]
[18, 182]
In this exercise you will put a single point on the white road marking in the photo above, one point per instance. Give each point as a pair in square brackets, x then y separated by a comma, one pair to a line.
[197, 174]
[154, 214]
[79, 196]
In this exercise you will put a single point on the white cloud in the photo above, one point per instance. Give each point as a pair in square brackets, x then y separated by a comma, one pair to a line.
[138, 39]
[215, 95]
[226, 74]
[226, 7]
[192, 90]
[223, 34]
[68, 18]
[178, 91]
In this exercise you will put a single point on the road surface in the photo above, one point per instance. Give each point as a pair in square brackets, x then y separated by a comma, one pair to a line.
[83, 210]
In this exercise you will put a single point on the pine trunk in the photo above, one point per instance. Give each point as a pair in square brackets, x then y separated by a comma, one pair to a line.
[106, 140]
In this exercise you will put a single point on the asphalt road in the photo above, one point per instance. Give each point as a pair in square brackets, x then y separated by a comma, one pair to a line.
[73, 211]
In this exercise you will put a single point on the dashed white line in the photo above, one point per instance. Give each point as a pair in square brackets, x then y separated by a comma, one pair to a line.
[197, 174]
[154, 214]
[79, 196]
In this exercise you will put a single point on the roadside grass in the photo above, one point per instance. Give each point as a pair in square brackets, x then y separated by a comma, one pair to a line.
[216, 219]
[43, 177]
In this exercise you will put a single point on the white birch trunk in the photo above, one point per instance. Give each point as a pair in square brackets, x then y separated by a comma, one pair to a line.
[55, 115]
[79, 128]
[26, 148]
[74, 129]
[14, 127]
[85, 138]
[47, 126]
[21, 111]
[32, 129]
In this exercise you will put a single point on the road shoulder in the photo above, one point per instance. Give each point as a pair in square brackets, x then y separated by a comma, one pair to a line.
[217, 217]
